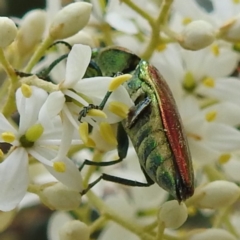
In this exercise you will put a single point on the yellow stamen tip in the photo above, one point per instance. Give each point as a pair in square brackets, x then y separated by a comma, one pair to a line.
[209, 82]
[224, 158]
[26, 90]
[8, 137]
[211, 116]
[117, 81]
[215, 50]
[119, 109]
[107, 133]
[59, 166]
[96, 113]
[186, 20]
[83, 131]
[236, 1]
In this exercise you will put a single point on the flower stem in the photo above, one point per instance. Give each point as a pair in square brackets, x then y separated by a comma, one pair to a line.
[98, 224]
[8, 67]
[38, 54]
[35, 81]
[160, 230]
[156, 28]
[139, 11]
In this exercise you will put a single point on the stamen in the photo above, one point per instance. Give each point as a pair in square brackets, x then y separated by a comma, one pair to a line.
[83, 132]
[209, 82]
[59, 166]
[107, 133]
[96, 113]
[117, 81]
[215, 50]
[161, 47]
[186, 20]
[224, 158]
[211, 116]
[8, 137]
[119, 109]
[1, 154]
[90, 143]
[26, 90]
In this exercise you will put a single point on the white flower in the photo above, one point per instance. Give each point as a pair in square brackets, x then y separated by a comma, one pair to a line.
[39, 130]
[74, 87]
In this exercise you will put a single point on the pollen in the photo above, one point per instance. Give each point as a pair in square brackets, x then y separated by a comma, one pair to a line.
[83, 132]
[215, 50]
[34, 132]
[117, 81]
[211, 116]
[118, 108]
[224, 158]
[59, 167]
[96, 113]
[8, 137]
[186, 20]
[209, 82]
[26, 90]
[107, 133]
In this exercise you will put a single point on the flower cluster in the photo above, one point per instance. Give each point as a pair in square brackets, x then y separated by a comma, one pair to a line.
[64, 105]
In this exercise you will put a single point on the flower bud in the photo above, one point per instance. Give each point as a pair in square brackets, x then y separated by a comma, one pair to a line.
[197, 35]
[70, 20]
[217, 194]
[58, 196]
[31, 31]
[213, 233]
[8, 31]
[173, 214]
[74, 230]
[231, 29]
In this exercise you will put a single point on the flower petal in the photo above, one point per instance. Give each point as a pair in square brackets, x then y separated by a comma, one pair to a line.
[28, 108]
[14, 179]
[71, 177]
[52, 106]
[5, 126]
[77, 63]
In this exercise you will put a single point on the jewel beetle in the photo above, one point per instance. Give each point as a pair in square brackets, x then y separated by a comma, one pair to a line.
[153, 125]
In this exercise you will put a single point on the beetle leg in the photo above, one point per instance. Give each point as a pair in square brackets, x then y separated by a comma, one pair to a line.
[99, 164]
[115, 179]
[136, 110]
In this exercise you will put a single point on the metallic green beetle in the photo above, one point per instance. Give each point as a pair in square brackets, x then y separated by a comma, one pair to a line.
[153, 124]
